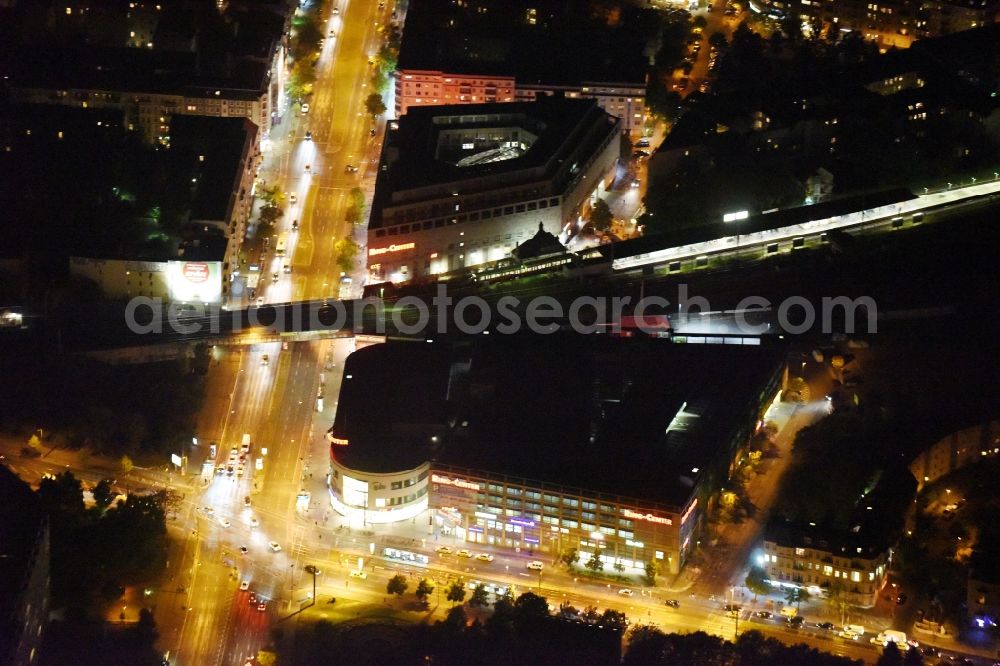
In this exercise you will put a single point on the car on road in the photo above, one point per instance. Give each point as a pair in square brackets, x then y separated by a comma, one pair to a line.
[225, 522]
[254, 522]
[287, 268]
[372, 132]
[732, 607]
[265, 360]
[350, 168]
[642, 143]
[293, 198]
[849, 635]
[309, 136]
[244, 550]
[239, 470]
[209, 510]
[825, 625]
[244, 586]
[335, 11]
[901, 599]
[484, 557]
[305, 108]
[673, 603]
[764, 615]
[443, 550]
[359, 574]
[625, 592]
[331, 34]
[464, 553]
[295, 225]
[308, 168]
[274, 546]
[535, 566]
[262, 606]
[253, 597]
[796, 622]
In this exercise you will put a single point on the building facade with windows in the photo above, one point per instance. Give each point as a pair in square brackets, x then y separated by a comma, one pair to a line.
[890, 23]
[626, 469]
[420, 88]
[462, 185]
[848, 562]
[24, 572]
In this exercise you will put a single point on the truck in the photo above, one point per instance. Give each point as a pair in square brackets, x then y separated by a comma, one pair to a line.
[789, 612]
[279, 250]
[890, 636]
[245, 443]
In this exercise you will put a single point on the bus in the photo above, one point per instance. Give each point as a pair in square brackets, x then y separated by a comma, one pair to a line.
[279, 250]
[406, 556]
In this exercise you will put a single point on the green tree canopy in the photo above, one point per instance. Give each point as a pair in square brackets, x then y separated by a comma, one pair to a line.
[397, 585]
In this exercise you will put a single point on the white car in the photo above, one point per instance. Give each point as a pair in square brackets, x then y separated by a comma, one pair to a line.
[275, 546]
[225, 522]
[308, 168]
[293, 198]
[359, 574]
[625, 592]
[484, 557]
[464, 553]
[336, 11]
[849, 635]
[260, 301]
[254, 522]
[305, 108]
[244, 586]
[443, 550]
[535, 566]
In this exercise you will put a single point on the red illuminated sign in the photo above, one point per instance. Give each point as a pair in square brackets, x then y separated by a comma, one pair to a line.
[195, 271]
[375, 251]
[690, 510]
[458, 483]
[628, 513]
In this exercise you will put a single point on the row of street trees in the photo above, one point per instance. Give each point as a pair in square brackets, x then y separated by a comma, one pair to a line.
[571, 557]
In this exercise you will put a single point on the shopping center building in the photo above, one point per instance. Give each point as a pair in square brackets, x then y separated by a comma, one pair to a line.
[541, 444]
[462, 186]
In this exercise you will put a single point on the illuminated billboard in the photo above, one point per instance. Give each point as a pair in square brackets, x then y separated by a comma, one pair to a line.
[195, 281]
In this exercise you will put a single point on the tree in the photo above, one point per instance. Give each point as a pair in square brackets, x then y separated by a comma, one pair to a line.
[126, 465]
[652, 570]
[600, 215]
[718, 40]
[103, 494]
[397, 585]
[756, 582]
[356, 207]
[424, 589]
[374, 105]
[891, 656]
[529, 610]
[347, 250]
[480, 596]
[269, 215]
[614, 619]
[595, 563]
[913, 657]
[796, 595]
[699, 22]
[456, 592]
[570, 557]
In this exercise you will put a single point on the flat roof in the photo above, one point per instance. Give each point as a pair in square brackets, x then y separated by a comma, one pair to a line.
[130, 70]
[223, 143]
[874, 526]
[566, 409]
[536, 41]
[411, 153]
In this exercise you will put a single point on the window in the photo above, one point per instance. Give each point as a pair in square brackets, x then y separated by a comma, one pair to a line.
[800, 551]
